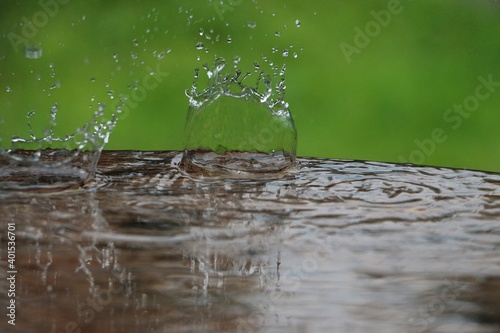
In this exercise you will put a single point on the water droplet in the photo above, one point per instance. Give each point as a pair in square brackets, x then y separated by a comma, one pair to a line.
[295, 55]
[8, 89]
[56, 85]
[274, 50]
[92, 79]
[115, 56]
[285, 53]
[251, 24]
[277, 33]
[32, 52]
[201, 31]
[256, 65]
[297, 23]
[229, 39]
[237, 59]
[134, 55]
[135, 42]
[199, 46]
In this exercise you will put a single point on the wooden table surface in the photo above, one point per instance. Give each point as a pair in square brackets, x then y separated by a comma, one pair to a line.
[337, 246]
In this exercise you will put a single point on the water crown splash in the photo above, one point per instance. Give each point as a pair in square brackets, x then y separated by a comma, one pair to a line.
[52, 162]
[235, 129]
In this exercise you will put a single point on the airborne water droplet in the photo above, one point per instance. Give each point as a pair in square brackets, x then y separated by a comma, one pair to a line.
[32, 52]
[229, 39]
[297, 23]
[56, 85]
[277, 33]
[285, 53]
[251, 24]
[8, 89]
[199, 46]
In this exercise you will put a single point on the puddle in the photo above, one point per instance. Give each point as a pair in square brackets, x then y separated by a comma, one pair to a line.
[342, 246]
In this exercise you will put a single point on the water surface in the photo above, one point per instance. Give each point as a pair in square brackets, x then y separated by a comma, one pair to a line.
[337, 246]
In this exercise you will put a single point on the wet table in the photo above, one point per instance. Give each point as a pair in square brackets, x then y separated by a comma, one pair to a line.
[337, 246]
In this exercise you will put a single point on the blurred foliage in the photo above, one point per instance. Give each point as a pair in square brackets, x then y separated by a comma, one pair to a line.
[381, 103]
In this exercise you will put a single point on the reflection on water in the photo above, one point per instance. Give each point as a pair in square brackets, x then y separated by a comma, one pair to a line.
[338, 246]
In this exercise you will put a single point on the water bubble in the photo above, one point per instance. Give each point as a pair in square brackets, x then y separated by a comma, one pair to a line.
[251, 24]
[297, 23]
[199, 46]
[32, 52]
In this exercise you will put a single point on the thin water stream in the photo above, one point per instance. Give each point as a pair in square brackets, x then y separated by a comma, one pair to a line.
[333, 246]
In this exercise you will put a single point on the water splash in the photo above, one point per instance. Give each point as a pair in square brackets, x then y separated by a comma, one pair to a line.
[49, 161]
[236, 129]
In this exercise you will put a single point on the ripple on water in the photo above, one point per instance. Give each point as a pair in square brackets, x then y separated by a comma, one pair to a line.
[356, 246]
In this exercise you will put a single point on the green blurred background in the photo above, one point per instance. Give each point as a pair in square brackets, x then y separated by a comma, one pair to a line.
[382, 102]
